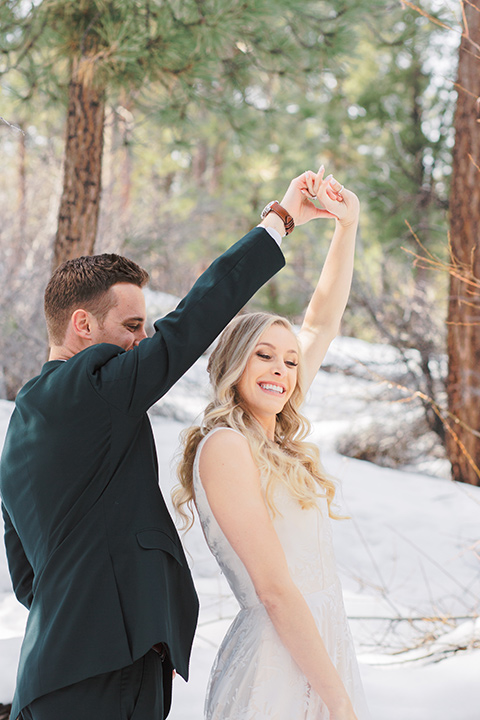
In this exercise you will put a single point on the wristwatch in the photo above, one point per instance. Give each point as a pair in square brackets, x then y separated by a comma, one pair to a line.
[276, 208]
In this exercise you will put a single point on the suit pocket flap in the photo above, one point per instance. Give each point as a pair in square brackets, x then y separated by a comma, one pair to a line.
[159, 540]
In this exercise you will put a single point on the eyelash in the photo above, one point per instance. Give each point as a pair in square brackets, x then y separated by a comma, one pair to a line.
[263, 356]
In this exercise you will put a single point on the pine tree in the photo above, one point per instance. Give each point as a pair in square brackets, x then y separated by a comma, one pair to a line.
[463, 384]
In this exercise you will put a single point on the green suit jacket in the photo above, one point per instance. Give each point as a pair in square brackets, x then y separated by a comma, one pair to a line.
[92, 550]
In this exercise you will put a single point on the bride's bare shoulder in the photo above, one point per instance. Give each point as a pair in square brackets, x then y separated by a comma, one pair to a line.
[225, 451]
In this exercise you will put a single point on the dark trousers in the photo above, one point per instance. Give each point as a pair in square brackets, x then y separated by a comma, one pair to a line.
[141, 691]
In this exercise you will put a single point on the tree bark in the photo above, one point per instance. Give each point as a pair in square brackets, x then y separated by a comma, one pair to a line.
[463, 340]
[80, 202]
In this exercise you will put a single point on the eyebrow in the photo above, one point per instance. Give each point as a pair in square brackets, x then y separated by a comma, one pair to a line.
[274, 348]
[134, 319]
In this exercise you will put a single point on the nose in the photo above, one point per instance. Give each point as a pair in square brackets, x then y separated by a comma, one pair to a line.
[139, 336]
[279, 369]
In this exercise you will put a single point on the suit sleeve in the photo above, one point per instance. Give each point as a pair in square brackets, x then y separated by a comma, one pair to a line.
[133, 381]
[21, 571]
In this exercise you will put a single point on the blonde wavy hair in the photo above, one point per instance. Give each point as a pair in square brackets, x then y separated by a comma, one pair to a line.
[288, 460]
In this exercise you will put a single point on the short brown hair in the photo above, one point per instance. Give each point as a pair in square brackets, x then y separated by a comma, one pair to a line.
[84, 282]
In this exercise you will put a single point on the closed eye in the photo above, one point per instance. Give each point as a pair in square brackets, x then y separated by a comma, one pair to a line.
[291, 363]
[264, 356]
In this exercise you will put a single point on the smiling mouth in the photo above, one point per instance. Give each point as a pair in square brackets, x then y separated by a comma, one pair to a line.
[278, 389]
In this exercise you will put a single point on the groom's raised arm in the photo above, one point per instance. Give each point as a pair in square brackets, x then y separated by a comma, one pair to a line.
[134, 380]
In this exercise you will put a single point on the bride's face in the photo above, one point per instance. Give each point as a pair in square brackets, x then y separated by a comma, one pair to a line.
[270, 375]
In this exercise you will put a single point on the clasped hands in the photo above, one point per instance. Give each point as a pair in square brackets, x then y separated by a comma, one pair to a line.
[337, 202]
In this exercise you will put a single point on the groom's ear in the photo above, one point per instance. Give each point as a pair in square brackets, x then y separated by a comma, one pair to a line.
[81, 324]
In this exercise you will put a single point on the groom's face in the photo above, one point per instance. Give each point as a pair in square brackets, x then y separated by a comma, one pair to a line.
[124, 323]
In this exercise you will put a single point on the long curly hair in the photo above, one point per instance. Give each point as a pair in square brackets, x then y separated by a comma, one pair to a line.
[289, 459]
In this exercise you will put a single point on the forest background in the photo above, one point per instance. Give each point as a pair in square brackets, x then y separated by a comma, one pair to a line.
[159, 129]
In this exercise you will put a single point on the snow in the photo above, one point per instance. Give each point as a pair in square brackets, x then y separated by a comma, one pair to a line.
[408, 557]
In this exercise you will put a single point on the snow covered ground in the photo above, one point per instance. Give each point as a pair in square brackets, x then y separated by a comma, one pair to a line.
[409, 560]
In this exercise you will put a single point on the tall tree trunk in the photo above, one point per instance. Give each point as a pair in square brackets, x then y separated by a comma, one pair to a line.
[463, 383]
[80, 202]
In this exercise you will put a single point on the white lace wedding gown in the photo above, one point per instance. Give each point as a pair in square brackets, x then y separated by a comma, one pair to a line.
[254, 676]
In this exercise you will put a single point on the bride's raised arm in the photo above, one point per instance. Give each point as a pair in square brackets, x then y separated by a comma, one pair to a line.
[326, 308]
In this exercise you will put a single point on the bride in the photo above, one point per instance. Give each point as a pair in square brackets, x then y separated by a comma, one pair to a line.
[265, 506]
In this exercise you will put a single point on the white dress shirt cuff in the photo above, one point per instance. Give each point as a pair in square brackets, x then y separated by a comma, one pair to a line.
[274, 234]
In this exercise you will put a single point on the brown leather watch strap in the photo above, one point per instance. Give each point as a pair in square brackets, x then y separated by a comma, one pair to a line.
[276, 208]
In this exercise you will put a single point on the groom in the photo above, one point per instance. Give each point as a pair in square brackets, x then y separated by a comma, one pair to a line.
[92, 550]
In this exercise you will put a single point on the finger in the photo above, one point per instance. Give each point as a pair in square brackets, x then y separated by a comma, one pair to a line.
[331, 193]
[319, 178]
[300, 182]
[340, 193]
[332, 189]
[310, 182]
[335, 185]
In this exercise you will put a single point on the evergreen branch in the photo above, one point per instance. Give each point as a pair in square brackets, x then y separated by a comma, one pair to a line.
[202, 20]
[29, 46]
[87, 30]
[303, 44]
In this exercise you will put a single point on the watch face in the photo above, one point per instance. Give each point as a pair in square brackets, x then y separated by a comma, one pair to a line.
[267, 209]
